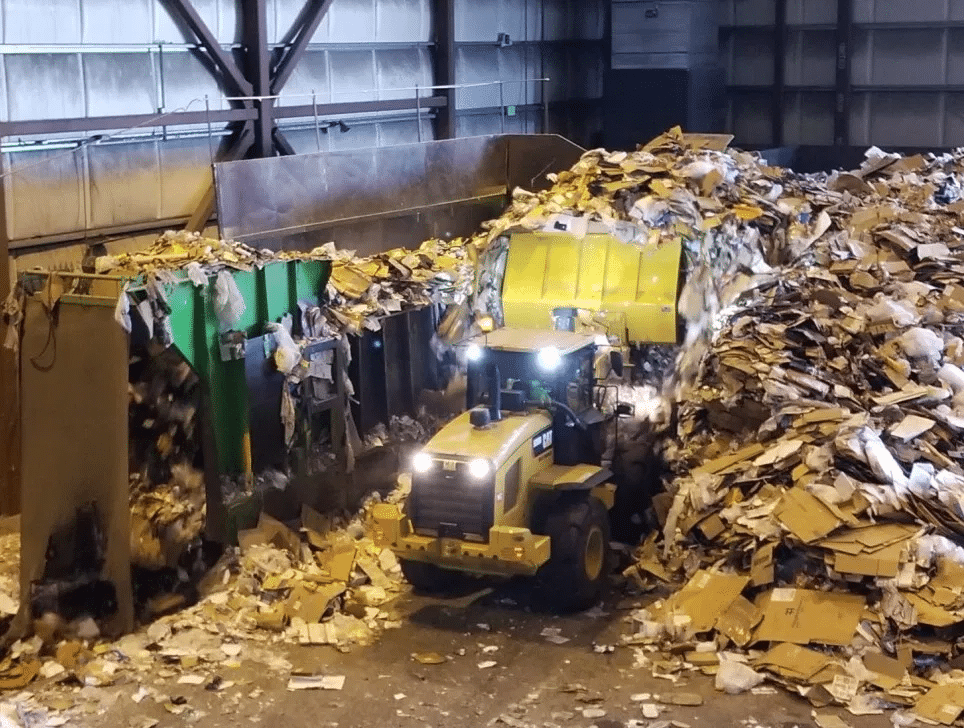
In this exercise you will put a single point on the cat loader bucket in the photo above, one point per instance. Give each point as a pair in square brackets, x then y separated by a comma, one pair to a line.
[631, 292]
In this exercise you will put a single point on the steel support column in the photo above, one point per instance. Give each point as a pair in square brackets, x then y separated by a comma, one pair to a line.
[299, 36]
[778, 101]
[219, 58]
[443, 23]
[282, 144]
[844, 92]
[236, 149]
[258, 65]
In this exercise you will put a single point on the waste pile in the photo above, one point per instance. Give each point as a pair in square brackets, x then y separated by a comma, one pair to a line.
[815, 510]
[323, 584]
[680, 188]
[167, 483]
[359, 290]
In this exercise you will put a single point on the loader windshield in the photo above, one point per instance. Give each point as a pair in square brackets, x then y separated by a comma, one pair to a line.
[568, 380]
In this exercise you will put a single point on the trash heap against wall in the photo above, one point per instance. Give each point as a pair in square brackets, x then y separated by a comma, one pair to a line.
[167, 491]
[815, 511]
[323, 584]
[816, 508]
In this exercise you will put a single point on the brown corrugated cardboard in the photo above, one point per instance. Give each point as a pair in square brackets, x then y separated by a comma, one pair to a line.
[803, 616]
[706, 597]
[805, 516]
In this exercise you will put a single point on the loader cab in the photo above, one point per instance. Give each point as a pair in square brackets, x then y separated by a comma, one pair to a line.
[540, 369]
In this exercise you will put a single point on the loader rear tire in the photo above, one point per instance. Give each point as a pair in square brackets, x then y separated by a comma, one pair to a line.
[578, 568]
[429, 578]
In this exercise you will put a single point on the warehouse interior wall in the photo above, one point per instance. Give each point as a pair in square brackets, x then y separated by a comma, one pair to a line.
[107, 58]
[105, 155]
[853, 72]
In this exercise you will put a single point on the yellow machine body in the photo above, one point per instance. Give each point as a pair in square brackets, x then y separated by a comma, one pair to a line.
[520, 475]
[632, 290]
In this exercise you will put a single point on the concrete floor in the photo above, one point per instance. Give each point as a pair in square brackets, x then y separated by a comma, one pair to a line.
[385, 686]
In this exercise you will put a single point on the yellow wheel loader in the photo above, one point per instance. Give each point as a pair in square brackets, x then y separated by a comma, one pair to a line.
[514, 485]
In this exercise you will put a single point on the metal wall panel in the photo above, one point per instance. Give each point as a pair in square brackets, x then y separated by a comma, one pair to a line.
[902, 11]
[955, 57]
[481, 64]
[26, 75]
[897, 57]
[124, 183]
[352, 76]
[809, 118]
[186, 82]
[28, 21]
[403, 21]
[109, 21]
[45, 193]
[809, 59]
[811, 12]
[402, 69]
[574, 19]
[352, 21]
[304, 140]
[221, 16]
[184, 175]
[749, 12]
[907, 68]
[116, 84]
[750, 57]
[749, 118]
[311, 74]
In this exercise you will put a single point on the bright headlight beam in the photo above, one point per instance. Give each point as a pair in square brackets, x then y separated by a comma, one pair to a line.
[549, 358]
[473, 352]
[479, 468]
[422, 462]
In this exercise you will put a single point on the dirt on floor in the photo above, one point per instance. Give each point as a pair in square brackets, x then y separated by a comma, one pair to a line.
[476, 659]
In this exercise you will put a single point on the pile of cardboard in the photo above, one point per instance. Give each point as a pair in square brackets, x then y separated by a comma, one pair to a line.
[722, 206]
[323, 584]
[359, 291]
[362, 290]
[167, 488]
[817, 504]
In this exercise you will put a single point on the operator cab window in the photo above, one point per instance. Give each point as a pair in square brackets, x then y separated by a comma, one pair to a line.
[579, 386]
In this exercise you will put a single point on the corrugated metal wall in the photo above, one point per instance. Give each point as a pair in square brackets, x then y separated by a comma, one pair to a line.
[907, 71]
[118, 57]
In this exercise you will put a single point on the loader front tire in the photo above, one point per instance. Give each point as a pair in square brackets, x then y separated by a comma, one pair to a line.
[578, 568]
[429, 578]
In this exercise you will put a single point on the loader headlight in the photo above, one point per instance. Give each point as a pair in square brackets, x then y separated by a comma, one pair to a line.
[486, 323]
[422, 462]
[479, 468]
[549, 358]
[473, 352]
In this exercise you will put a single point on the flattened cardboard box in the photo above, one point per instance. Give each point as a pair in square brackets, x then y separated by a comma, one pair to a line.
[739, 621]
[803, 616]
[884, 563]
[941, 704]
[805, 516]
[706, 597]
